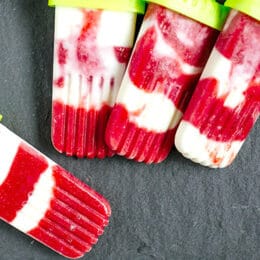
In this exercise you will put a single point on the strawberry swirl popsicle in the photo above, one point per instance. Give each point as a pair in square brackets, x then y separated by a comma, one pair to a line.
[46, 202]
[173, 45]
[226, 102]
[92, 45]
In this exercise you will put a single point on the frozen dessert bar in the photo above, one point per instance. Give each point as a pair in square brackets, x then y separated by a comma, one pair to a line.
[92, 45]
[226, 102]
[46, 202]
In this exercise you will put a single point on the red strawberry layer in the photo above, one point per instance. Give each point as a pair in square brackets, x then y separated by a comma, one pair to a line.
[207, 110]
[133, 142]
[217, 121]
[78, 132]
[23, 174]
[153, 71]
[76, 218]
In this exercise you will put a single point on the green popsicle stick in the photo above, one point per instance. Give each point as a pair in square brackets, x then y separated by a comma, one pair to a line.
[208, 12]
[135, 6]
[250, 7]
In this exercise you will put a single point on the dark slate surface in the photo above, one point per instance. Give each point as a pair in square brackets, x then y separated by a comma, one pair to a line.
[174, 210]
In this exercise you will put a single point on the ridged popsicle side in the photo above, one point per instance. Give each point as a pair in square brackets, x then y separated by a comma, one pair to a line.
[43, 200]
[78, 132]
[134, 142]
[76, 218]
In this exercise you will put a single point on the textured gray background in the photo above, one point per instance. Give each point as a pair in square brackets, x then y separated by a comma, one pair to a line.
[174, 210]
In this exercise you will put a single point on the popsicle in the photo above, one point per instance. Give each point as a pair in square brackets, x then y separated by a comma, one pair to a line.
[173, 45]
[46, 202]
[92, 45]
[226, 102]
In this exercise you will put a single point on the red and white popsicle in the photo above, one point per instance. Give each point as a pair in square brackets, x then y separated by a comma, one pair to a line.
[166, 63]
[46, 202]
[91, 51]
[226, 102]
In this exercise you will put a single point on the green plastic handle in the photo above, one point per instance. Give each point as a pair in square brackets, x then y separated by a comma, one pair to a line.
[135, 6]
[250, 7]
[208, 12]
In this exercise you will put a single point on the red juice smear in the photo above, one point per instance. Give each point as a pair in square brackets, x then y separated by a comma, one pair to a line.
[59, 82]
[62, 54]
[207, 110]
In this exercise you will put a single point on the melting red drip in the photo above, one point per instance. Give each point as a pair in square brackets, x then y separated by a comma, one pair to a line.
[80, 132]
[62, 54]
[218, 122]
[134, 142]
[122, 54]
[25, 171]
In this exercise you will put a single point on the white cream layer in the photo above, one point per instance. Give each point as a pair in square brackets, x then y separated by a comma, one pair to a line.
[153, 111]
[79, 93]
[37, 205]
[9, 144]
[197, 147]
[233, 79]
[115, 29]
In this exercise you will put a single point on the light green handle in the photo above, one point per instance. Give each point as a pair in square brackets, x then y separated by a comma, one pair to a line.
[250, 7]
[135, 6]
[1, 117]
[208, 12]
